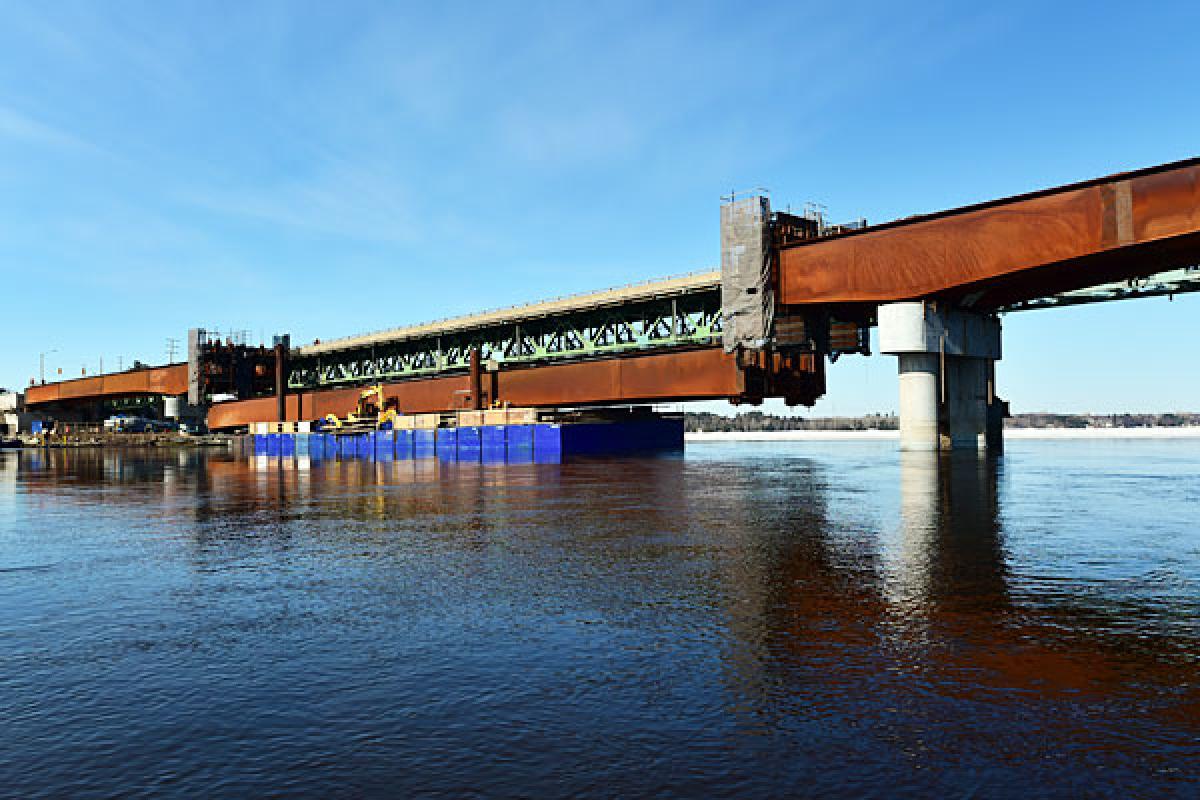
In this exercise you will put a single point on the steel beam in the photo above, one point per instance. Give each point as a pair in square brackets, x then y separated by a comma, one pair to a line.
[688, 318]
[662, 377]
[168, 380]
[1010, 250]
[1168, 284]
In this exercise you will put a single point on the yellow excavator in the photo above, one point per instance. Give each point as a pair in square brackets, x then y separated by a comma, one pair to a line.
[372, 412]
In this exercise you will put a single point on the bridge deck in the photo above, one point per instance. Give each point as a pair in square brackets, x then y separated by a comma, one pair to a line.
[1012, 250]
[171, 379]
[649, 290]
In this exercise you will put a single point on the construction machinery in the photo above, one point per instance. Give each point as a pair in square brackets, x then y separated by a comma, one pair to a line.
[373, 412]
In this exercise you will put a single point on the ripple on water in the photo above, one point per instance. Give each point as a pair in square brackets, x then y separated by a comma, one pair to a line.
[806, 618]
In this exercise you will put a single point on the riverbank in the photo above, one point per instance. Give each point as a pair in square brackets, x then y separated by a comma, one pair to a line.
[882, 435]
[114, 440]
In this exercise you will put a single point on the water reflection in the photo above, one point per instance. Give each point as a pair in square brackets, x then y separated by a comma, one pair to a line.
[948, 552]
[812, 620]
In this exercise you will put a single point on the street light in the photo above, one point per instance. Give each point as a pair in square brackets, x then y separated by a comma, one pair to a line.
[42, 364]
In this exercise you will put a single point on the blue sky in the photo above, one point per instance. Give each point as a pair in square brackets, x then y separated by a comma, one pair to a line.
[238, 166]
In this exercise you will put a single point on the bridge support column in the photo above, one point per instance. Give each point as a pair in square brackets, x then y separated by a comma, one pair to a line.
[947, 379]
[280, 379]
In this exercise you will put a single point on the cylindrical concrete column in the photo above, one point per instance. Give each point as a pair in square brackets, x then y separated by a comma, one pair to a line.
[945, 358]
[919, 398]
[967, 402]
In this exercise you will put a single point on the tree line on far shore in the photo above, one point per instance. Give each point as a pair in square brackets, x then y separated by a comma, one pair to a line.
[758, 421]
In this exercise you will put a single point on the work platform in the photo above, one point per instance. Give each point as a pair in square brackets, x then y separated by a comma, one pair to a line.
[539, 442]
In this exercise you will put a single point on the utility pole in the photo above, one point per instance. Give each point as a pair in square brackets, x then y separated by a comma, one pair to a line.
[172, 346]
[42, 364]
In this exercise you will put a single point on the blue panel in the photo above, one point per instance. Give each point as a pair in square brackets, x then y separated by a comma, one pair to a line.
[364, 445]
[316, 446]
[287, 444]
[404, 444]
[260, 444]
[470, 439]
[494, 437]
[520, 437]
[424, 445]
[330, 442]
[272, 444]
[547, 443]
[520, 444]
[302, 441]
[447, 444]
[493, 446]
[385, 445]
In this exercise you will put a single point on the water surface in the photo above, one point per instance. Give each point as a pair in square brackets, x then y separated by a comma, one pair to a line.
[751, 619]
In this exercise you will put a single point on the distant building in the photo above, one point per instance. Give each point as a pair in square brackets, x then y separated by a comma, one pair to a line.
[14, 418]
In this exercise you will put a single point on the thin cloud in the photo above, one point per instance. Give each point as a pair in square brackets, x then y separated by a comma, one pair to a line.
[349, 202]
[19, 127]
[560, 138]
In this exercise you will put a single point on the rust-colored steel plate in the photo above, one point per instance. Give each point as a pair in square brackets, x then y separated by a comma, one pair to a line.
[926, 256]
[686, 375]
[241, 412]
[413, 397]
[155, 380]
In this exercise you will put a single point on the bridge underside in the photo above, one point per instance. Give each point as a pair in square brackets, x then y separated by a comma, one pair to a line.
[699, 374]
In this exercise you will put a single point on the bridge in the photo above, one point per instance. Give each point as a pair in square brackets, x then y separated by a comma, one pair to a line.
[792, 295]
[168, 380]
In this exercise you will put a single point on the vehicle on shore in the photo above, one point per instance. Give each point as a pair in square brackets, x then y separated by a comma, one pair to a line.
[124, 424]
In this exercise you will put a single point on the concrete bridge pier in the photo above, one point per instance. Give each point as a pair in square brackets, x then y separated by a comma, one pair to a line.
[947, 375]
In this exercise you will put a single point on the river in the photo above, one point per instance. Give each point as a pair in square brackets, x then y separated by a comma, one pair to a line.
[750, 619]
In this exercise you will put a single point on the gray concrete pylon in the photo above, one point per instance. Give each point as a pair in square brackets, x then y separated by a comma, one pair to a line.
[945, 364]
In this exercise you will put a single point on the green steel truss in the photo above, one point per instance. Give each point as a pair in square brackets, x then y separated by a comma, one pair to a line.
[689, 319]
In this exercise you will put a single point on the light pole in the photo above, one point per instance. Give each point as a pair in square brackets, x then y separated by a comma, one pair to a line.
[42, 364]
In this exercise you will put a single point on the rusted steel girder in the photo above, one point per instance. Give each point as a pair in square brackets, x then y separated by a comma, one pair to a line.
[1019, 248]
[700, 374]
[169, 380]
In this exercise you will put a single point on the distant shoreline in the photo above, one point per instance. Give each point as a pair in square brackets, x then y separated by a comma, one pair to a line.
[1192, 432]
